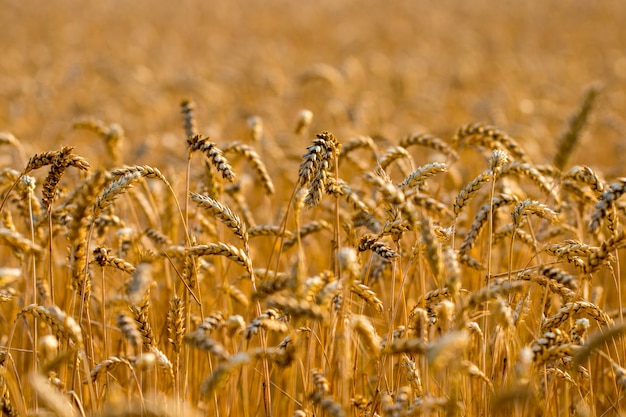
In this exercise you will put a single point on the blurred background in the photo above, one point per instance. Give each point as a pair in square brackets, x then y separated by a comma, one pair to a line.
[367, 67]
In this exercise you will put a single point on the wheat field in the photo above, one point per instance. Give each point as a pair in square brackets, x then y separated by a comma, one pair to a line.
[283, 208]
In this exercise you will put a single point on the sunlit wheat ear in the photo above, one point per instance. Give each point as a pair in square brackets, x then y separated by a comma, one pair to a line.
[303, 121]
[187, 109]
[585, 175]
[412, 375]
[297, 308]
[552, 285]
[600, 339]
[372, 244]
[527, 207]
[606, 204]
[254, 159]
[18, 243]
[218, 379]
[50, 397]
[368, 295]
[223, 214]
[271, 283]
[475, 372]
[393, 154]
[139, 283]
[236, 295]
[356, 143]
[114, 190]
[432, 142]
[495, 289]
[470, 190]
[106, 366]
[63, 326]
[176, 323]
[130, 331]
[306, 230]
[417, 178]
[101, 257]
[489, 137]
[271, 320]
[214, 154]
[571, 136]
[602, 255]
[317, 163]
[572, 309]
[481, 219]
[216, 249]
[140, 314]
[364, 328]
[201, 341]
[7, 138]
[48, 158]
[112, 134]
[559, 276]
[517, 169]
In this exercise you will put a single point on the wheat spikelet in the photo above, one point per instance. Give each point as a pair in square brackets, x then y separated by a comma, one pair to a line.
[379, 248]
[316, 167]
[199, 340]
[256, 163]
[222, 249]
[416, 178]
[470, 190]
[269, 230]
[358, 142]
[130, 331]
[269, 320]
[586, 175]
[606, 204]
[481, 219]
[140, 314]
[176, 323]
[570, 137]
[106, 366]
[236, 294]
[223, 214]
[63, 326]
[305, 230]
[429, 141]
[572, 309]
[370, 339]
[552, 285]
[187, 108]
[114, 190]
[297, 308]
[50, 397]
[602, 255]
[215, 155]
[102, 258]
[433, 249]
[490, 137]
[366, 294]
[527, 207]
[139, 283]
[391, 155]
[48, 158]
[271, 284]
[532, 173]
[220, 375]
[18, 243]
[560, 277]
[475, 372]
[495, 289]
[113, 135]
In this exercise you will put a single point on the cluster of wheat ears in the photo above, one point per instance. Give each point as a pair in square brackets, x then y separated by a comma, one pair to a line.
[477, 283]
